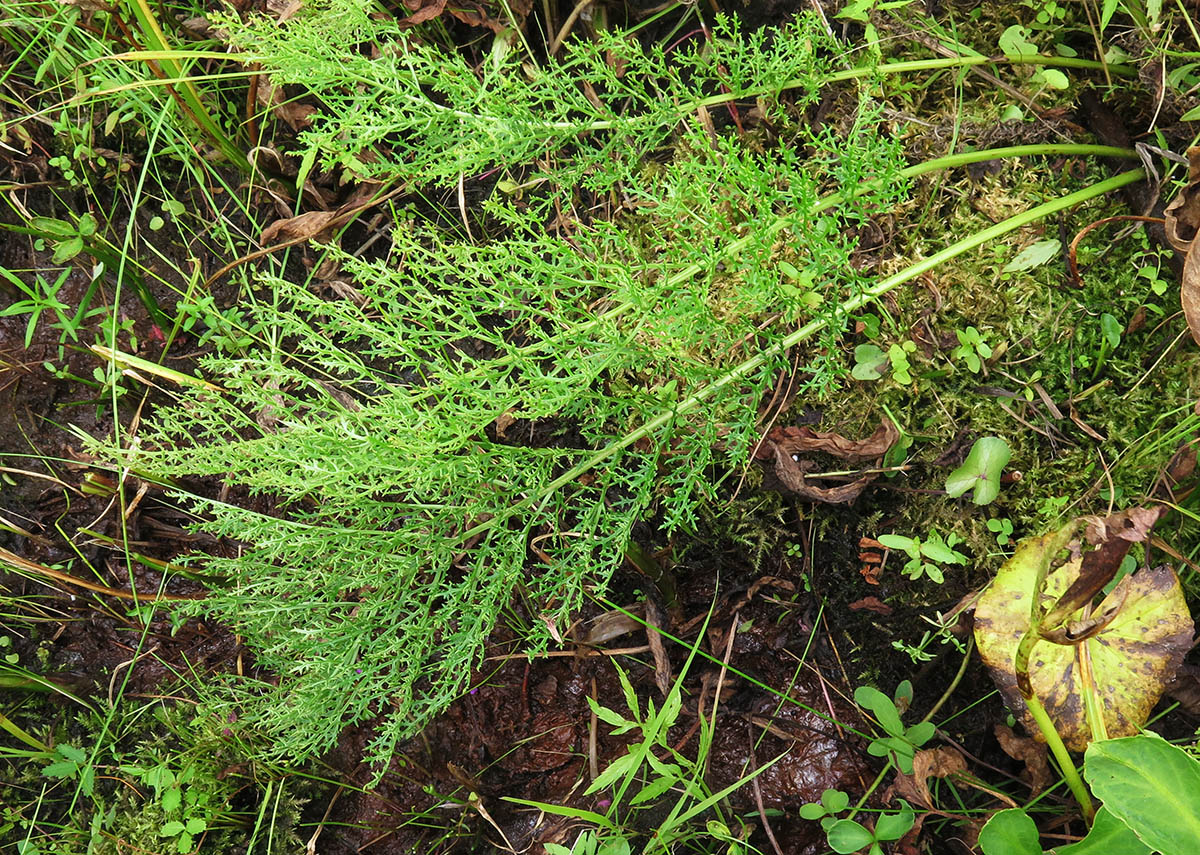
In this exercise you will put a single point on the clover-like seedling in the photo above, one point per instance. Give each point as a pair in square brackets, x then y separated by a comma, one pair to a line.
[826, 810]
[980, 471]
[870, 363]
[846, 835]
[972, 349]
[925, 556]
[1002, 528]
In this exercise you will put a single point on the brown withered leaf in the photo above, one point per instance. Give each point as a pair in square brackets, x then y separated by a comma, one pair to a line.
[802, 440]
[1183, 213]
[420, 12]
[474, 14]
[313, 225]
[793, 474]
[1113, 535]
[1182, 224]
[1030, 752]
[284, 10]
[786, 446]
[1132, 525]
[928, 763]
[1185, 688]
[271, 97]
[871, 604]
[662, 662]
[1183, 463]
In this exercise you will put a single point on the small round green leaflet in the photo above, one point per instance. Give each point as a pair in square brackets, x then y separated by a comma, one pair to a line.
[846, 836]
[1010, 832]
[981, 471]
[1150, 785]
[1131, 653]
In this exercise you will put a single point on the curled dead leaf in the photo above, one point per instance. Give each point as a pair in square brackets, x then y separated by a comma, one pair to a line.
[313, 225]
[802, 440]
[1030, 752]
[928, 763]
[1182, 224]
[871, 604]
[788, 445]
[420, 11]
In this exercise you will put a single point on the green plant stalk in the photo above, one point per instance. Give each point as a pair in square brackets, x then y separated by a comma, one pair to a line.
[188, 93]
[810, 329]
[835, 77]
[1065, 763]
[1037, 613]
[927, 65]
[951, 161]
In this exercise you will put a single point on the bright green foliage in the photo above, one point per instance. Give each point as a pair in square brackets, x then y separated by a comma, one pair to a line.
[846, 835]
[1150, 785]
[1151, 793]
[832, 802]
[901, 743]
[1010, 832]
[429, 116]
[897, 354]
[870, 362]
[981, 471]
[406, 511]
[972, 349]
[648, 770]
[926, 557]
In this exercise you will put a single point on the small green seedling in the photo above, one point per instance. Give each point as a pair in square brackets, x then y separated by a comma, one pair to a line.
[981, 471]
[901, 743]
[926, 556]
[832, 803]
[847, 835]
[1110, 332]
[972, 349]
[1003, 529]
[870, 363]
[901, 368]
[1150, 273]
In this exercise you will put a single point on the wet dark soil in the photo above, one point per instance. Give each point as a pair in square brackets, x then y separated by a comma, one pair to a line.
[526, 731]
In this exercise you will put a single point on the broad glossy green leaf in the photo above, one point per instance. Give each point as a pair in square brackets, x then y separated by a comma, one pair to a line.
[65, 250]
[1108, 836]
[1010, 832]
[52, 226]
[1150, 785]
[893, 826]
[881, 706]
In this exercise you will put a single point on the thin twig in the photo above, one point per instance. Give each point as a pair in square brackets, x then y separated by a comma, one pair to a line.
[758, 799]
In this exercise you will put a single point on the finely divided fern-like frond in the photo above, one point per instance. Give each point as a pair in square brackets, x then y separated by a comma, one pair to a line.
[404, 516]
